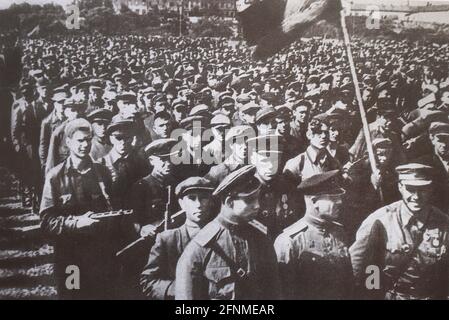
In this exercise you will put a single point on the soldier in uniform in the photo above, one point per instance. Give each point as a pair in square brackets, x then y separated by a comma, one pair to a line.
[158, 276]
[275, 202]
[100, 119]
[407, 241]
[151, 194]
[439, 160]
[73, 190]
[125, 165]
[313, 253]
[230, 258]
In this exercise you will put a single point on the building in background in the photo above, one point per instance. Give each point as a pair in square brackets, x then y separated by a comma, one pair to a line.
[190, 7]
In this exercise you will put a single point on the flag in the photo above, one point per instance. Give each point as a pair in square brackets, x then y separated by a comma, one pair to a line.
[271, 25]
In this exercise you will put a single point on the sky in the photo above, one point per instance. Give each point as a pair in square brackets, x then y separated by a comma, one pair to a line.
[6, 3]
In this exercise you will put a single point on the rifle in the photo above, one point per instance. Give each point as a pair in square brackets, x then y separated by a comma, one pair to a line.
[161, 226]
[110, 214]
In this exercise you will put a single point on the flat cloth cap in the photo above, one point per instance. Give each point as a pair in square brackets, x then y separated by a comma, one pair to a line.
[123, 126]
[127, 98]
[265, 113]
[322, 183]
[236, 132]
[161, 148]
[241, 182]
[193, 184]
[100, 115]
[415, 174]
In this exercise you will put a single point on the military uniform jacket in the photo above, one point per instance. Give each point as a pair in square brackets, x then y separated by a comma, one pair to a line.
[125, 171]
[227, 262]
[149, 198]
[412, 255]
[158, 276]
[308, 164]
[314, 261]
[68, 194]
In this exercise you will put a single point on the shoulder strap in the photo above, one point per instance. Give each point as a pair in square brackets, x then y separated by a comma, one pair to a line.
[236, 271]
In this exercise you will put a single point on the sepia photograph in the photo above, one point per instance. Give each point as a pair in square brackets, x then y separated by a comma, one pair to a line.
[249, 150]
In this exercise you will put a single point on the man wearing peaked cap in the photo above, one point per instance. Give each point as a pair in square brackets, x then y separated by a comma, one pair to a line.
[438, 158]
[151, 193]
[316, 247]
[179, 110]
[191, 160]
[100, 120]
[276, 211]
[236, 153]
[234, 241]
[423, 232]
[123, 161]
[215, 149]
[266, 121]
[158, 280]
[226, 105]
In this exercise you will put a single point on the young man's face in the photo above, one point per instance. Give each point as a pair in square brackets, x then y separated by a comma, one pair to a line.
[266, 166]
[160, 106]
[245, 208]
[99, 129]
[266, 126]
[197, 206]
[416, 198]
[440, 144]
[300, 114]
[179, 114]
[162, 166]
[383, 156]
[161, 127]
[121, 142]
[282, 126]
[80, 143]
[320, 138]
[334, 134]
[327, 207]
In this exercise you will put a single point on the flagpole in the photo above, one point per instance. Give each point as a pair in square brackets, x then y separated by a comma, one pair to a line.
[366, 132]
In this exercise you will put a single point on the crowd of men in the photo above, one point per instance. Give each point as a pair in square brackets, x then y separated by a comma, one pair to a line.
[288, 208]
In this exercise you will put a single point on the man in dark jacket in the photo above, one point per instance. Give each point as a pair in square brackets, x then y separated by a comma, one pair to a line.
[158, 277]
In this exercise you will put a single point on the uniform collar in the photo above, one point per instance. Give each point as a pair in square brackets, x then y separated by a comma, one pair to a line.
[114, 156]
[321, 224]
[232, 226]
[408, 218]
